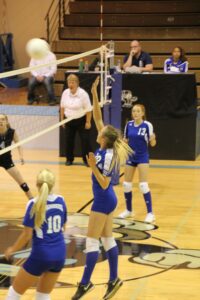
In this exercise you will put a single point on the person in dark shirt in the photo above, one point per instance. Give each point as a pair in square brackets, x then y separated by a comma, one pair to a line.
[137, 61]
[7, 136]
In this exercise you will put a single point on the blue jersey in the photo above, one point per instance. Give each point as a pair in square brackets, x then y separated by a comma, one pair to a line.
[175, 67]
[138, 137]
[105, 201]
[48, 241]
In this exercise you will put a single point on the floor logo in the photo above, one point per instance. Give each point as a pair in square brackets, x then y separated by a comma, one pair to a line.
[135, 240]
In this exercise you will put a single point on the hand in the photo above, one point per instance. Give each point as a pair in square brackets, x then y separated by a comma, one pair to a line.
[87, 125]
[91, 160]
[95, 85]
[152, 137]
[132, 53]
[8, 252]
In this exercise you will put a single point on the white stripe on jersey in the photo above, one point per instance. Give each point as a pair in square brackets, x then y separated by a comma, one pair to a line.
[29, 203]
[107, 161]
[150, 126]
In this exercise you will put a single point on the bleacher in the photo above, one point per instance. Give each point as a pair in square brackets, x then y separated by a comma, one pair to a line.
[159, 25]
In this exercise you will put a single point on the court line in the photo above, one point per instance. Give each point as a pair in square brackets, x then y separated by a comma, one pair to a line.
[154, 166]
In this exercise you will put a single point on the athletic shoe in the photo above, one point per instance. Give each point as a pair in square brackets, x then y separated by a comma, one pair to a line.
[126, 214]
[113, 287]
[82, 290]
[150, 218]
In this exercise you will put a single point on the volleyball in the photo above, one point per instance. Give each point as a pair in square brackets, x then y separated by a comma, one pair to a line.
[37, 48]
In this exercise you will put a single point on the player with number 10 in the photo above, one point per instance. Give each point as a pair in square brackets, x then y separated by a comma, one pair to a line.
[44, 221]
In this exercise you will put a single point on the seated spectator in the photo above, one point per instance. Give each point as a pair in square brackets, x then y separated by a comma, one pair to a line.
[177, 63]
[43, 76]
[137, 61]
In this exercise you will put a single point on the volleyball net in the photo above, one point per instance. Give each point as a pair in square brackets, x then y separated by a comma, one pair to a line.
[30, 129]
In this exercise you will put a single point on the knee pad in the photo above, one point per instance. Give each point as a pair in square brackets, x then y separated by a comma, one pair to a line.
[24, 187]
[42, 296]
[108, 243]
[12, 294]
[144, 187]
[92, 245]
[127, 187]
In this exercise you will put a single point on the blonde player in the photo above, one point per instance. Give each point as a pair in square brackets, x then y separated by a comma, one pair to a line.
[44, 221]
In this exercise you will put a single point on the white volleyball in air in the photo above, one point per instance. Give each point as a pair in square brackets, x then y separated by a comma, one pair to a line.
[37, 48]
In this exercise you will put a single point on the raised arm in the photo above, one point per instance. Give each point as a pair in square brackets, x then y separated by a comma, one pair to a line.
[97, 115]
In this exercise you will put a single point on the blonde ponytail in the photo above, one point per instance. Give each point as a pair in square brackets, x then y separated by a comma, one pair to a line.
[121, 149]
[121, 153]
[45, 183]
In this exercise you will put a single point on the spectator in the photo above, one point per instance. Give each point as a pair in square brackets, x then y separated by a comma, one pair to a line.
[73, 101]
[137, 61]
[43, 76]
[177, 63]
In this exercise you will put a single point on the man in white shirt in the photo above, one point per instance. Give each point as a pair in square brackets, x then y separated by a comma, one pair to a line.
[75, 100]
[43, 76]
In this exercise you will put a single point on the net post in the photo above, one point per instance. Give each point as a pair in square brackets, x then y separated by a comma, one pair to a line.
[102, 76]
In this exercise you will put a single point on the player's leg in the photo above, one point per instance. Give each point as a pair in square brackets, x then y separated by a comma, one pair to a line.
[92, 252]
[112, 252]
[15, 174]
[21, 283]
[143, 170]
[127, 186]
[70, 133]
[46, 284]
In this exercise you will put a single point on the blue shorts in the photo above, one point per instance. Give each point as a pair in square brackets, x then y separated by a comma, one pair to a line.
[105, 202]
[37, 267]
[135, 161]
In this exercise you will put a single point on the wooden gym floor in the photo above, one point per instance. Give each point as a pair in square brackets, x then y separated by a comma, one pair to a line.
[156, 262]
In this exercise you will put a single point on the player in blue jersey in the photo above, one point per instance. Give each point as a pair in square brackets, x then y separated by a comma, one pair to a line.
[177, 63]
[7, 136]
[138, 133]
[44, 221]
[113, 150]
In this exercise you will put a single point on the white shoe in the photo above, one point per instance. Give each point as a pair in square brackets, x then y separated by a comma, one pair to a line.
[125, 214]
[150, 218]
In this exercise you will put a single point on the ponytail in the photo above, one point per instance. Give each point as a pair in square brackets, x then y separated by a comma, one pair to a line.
[121, 153]
[45, 182]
